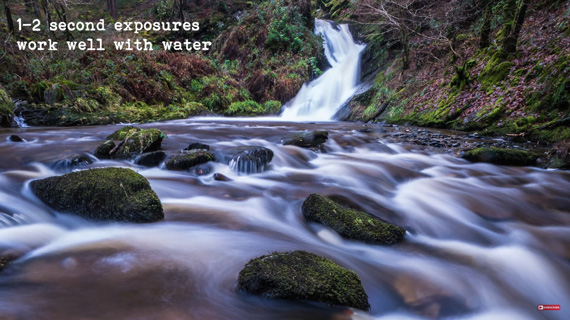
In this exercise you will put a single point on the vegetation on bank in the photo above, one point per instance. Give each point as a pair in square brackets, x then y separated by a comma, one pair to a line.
[263, 52]
[500, 67]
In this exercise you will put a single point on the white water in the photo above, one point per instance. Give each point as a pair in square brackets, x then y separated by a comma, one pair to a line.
[321, 98]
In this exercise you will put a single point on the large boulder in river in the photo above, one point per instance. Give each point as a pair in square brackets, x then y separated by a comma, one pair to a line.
[116, 194]
[508, 157]
[350, 223]
[150, 159]
[250, 159]
[310, 139]
[300, 275]
[188, 160]
[133, 141]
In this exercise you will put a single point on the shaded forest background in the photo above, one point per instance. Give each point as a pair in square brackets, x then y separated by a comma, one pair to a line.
[498, 67]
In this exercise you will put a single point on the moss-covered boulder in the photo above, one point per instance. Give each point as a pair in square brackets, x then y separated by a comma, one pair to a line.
[6, 110]
[350, 223]
[300, 275]
[116, 194]
[311, 139]
[559, 155]
[508, 157]
[133, 141]
[186, 161]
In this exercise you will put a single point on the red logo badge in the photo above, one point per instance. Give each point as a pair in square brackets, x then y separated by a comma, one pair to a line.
[545, 307]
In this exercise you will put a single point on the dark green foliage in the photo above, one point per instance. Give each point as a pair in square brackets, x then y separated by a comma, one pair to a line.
[300, 275]
[510, 157]
[6, 113]
[186, 161]
[350, 223]
[115, 194]
[286, 30]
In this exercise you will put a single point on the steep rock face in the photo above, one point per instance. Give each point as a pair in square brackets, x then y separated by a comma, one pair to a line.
[508, 157]
[350, 223]
[300, 275]
[113, 194]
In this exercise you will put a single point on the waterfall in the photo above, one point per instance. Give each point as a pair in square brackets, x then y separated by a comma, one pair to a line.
[321, 98]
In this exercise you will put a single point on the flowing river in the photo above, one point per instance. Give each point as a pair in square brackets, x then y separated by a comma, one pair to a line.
[482, 241]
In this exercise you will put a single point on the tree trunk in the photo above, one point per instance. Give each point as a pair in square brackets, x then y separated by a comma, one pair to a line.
[510, 43]
[509, 14]
[484, 40]
[37, 11]
[405, 49]
[8, 16]
[112, 6]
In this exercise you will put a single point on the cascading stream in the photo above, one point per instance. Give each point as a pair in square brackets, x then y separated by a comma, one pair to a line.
[321, 98]
[483, 241]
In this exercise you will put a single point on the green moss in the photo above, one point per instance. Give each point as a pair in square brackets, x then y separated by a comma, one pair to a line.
[245, 108]
[123, 133]
[117, 194]
[272, 107]
[300, 275]
[349, 223]
[6, 113]
[186, 161]
[135, 141]
[500, 156]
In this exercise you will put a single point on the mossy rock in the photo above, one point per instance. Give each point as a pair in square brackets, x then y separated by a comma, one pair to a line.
[6, 112]
[150, 159]
[300, 275]
[186, 161]
[350, 223]
[103, 151]
[134, 141]
[123, 133]
[559, 155]
[109, 194]
[509, 157]
[309, 139]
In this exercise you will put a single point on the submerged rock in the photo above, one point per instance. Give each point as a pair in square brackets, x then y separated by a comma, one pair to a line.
[78, 160]
[300, 275]
[350, 223]
[509, 157]
[115, 194]
[15, 138]
[150, 159]
[221, 177]
[311, 139]
[186, 161]
[251, 159]
[198, 146]
[5, 260]
[134, 141]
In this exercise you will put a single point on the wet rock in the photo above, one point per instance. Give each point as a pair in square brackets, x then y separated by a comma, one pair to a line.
[250, 159]
[559, 155]
[5, 260]
[73, 161]
[198, 146]
[186, 161]
[509, 157]
[103, 151]
[133, 141]
[15, 138]
[115, 194]
[311, 139]
[6, 112]
[350, 223]
[300, 275]
[150, 159]
[203, 169]
[221, 177]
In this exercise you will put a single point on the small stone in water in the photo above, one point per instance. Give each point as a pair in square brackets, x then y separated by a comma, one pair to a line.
[15, 138]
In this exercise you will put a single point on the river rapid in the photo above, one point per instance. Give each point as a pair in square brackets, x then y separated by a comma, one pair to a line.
[482, 241]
